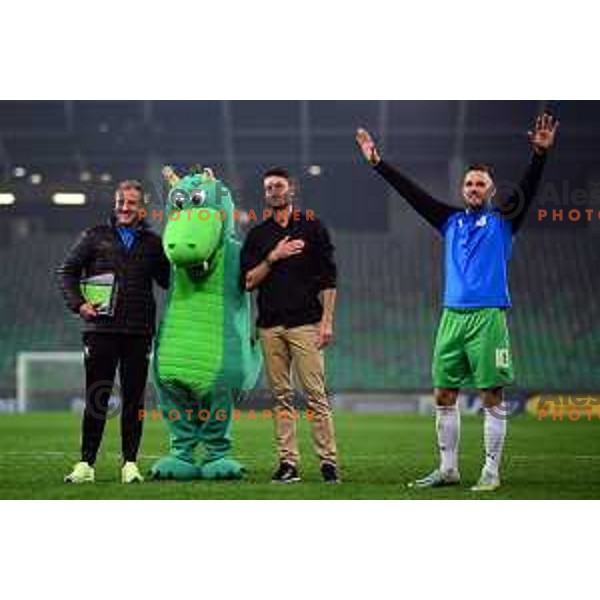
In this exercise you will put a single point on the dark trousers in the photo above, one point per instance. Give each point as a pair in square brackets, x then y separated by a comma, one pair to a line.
[103, 353]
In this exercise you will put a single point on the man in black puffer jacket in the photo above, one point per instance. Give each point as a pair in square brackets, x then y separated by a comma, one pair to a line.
[126, 251]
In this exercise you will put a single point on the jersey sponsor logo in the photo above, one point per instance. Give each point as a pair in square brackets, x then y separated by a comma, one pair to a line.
[481, 222]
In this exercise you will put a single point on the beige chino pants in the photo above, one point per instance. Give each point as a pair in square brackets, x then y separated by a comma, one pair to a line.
[295, 348]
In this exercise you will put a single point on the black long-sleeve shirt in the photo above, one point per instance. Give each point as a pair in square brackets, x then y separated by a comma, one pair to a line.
[289, 294]
[436, 213]
[478, 243]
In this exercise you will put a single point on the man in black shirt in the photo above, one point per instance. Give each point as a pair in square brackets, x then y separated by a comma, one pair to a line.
[289, 259]
[125, 252]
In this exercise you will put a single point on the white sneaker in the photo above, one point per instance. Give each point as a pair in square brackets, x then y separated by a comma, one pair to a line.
[438, 478]
[81, 473]
[488, 482]
[130, 473]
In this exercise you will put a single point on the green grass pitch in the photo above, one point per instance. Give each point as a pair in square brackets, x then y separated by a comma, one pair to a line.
[380, 454]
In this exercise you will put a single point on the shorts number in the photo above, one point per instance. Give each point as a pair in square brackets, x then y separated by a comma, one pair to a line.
[502, 357]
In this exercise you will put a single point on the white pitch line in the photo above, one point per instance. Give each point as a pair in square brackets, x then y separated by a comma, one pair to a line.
[555, 457]
[68, 454]
[353, 458]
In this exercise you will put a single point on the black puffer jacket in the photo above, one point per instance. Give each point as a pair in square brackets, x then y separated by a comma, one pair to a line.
[100, 250]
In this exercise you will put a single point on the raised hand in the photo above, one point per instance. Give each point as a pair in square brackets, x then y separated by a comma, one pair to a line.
[543, 134]
[367, 146]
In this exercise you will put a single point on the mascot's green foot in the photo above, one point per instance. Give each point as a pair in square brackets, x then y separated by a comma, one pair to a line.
[222, 468]
[170, 467]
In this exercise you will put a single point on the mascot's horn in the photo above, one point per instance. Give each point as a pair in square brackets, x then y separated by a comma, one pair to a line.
[169, 174]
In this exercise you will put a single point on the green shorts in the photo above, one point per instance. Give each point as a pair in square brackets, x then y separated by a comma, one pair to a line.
[472, 349]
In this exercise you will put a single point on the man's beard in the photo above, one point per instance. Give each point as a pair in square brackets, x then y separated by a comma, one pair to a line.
[475, 203]
[283, 204]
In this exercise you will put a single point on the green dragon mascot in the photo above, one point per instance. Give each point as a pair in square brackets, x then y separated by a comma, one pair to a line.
[204, 353]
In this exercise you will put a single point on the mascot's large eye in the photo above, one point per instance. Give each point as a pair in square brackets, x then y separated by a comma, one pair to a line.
[178, 198]
[198, 197]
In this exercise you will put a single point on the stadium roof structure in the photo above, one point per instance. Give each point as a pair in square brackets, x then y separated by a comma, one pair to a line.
[95, 143]
[62, 139]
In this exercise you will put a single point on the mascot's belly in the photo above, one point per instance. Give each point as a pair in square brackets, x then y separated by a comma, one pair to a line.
[190, 347]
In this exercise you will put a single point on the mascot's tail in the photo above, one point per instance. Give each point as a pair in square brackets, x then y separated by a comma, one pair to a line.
[254, 361]
[241, 347]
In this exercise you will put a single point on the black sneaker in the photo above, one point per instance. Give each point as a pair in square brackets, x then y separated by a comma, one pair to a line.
[329, 472]
[285, 474]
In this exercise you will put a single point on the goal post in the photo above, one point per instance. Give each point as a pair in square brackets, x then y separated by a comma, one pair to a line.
[49, 381]
[55, 381]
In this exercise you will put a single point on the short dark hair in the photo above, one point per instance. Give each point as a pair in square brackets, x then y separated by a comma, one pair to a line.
[481, 167]
[277, 172]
